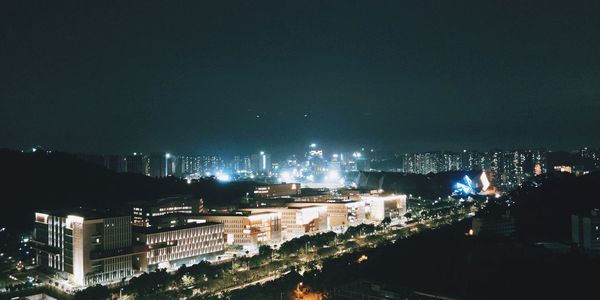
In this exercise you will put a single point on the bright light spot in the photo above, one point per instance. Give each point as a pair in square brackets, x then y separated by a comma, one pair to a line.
[362, 258]
[332, 175]
[168, 155]
[285, 176]
[223, 177]
[313, 145]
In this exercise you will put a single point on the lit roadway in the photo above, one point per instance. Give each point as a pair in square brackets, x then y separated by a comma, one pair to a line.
[431, 223]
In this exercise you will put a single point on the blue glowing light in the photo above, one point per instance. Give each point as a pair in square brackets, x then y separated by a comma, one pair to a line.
[466, 187]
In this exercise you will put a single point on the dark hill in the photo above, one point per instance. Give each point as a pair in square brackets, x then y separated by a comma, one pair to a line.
[40, 180]
[543, 207]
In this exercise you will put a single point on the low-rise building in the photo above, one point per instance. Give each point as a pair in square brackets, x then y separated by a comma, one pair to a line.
[339, 214]
[298, 221]
[172, 247]
[277, 190]
[380, 207]
[143, 212]
[248, 229]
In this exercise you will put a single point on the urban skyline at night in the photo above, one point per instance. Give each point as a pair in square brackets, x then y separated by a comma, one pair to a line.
[299, 150]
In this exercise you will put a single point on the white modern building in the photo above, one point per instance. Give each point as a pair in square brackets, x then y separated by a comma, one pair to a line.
[378, 207]
[172, 247]
[87, 247]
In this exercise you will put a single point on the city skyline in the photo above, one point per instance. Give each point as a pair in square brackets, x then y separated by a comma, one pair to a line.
[213, 77]
[339, 149]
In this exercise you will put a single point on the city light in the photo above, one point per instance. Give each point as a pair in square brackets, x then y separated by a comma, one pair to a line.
[223, 177]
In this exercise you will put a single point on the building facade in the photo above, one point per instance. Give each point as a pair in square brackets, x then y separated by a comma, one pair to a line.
[277, 190]
[248, 229]
[85, 247]
[143, 212]
[172, 247]
[380, 207]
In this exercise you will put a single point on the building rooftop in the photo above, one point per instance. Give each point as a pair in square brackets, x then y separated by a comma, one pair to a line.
[304, 207]
[150, 230]
[163, 200]
[86, 213]
[239, 213]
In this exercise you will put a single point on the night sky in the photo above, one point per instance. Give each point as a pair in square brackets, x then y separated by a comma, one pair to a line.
[86, 76]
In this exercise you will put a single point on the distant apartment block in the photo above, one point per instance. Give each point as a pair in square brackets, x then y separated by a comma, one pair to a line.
[585, 231]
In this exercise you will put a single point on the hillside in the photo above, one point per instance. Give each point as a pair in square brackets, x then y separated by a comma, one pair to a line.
[34, 181]
[543, 207]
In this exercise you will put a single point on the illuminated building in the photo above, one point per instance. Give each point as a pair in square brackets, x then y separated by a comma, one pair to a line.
[315, 164]
[143, 212]
[585, 231]
[277, 190]
[161, 164]
[187, 165]
[242, 164]
[173, 247]
[381, 206]
[466, 187]
[261, 163]
[248, 229]
[340, 214]
[210, 164]
[87, 247]
[298, 221]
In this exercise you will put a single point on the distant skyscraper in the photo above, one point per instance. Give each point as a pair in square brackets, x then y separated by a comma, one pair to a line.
[242, 164]
[161, 164]
[261, 162]
[186, 165]
[136, 163]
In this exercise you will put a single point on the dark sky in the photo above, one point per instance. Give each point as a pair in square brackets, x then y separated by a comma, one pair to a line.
[404, 75]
